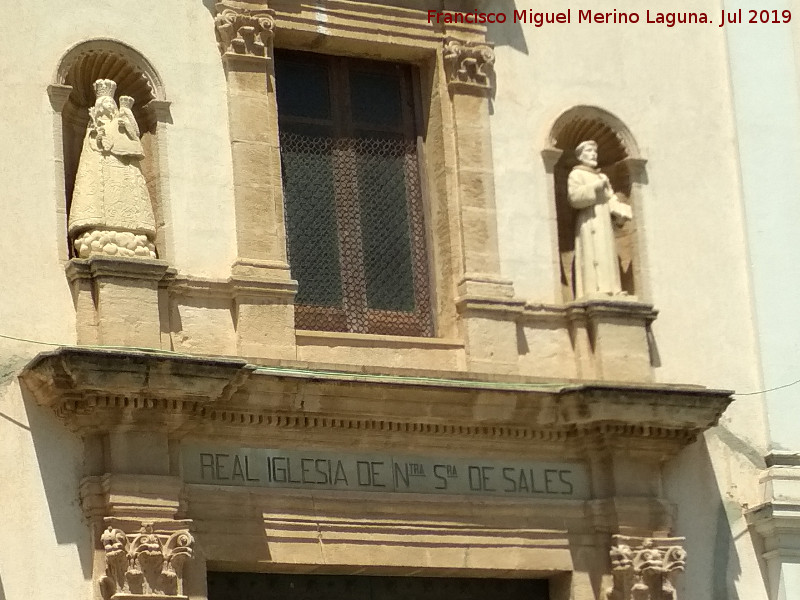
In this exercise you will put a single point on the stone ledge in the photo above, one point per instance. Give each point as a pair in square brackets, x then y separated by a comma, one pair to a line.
[235, 287]
[630, 309]
[778, 458]
[778, 524]
[73, 373]
[96, 391]
[507, 308]
[589, 309]
[123, 267]
[326, 338]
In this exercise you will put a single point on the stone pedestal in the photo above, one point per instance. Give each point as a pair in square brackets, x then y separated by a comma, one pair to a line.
[117, 300]
[618, 334]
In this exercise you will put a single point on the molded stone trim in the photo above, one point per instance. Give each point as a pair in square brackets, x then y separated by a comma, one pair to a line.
[98, 391]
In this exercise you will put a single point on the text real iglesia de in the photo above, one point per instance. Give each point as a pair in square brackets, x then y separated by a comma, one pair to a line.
[539, 19]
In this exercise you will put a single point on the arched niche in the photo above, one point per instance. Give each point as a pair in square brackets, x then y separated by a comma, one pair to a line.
[620, 159]
[72, 94]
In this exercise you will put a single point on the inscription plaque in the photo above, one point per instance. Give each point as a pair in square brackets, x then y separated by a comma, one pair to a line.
[342, 471]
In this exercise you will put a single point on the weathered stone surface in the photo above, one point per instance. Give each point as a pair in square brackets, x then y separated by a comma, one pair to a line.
[102, 390]
[111, 212]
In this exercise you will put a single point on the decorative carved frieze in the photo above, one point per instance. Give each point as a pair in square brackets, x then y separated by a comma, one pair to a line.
[144, 564]
[643, 567]
[469, 65]
[244, 32]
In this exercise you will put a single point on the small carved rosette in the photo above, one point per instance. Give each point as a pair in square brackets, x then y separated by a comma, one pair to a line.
[643, 567]
[111, 212]
[146, 563]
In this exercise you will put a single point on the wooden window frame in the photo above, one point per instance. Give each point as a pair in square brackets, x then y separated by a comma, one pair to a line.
[355, 316]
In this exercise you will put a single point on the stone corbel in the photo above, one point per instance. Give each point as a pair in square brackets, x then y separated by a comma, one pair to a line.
[146, 564]
[551, 156]
[244, 33]
[643, 568]
[469, 65]
[58, 94]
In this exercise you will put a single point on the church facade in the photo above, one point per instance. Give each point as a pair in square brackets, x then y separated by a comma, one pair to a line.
[391, 299]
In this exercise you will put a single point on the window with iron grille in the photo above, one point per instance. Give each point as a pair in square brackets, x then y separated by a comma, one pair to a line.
[352, 192]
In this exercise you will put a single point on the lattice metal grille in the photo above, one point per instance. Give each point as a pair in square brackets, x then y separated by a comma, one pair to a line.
[356, 234]
[308, 187]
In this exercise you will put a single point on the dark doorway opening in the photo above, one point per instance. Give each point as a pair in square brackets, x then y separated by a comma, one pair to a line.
[266, 586]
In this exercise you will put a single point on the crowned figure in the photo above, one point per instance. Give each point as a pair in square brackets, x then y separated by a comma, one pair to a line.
[111, 213]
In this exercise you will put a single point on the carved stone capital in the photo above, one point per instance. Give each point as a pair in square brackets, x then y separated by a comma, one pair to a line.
[469, 65]
[244, 33]
[643, 568]
[145, 564]
[551, 156]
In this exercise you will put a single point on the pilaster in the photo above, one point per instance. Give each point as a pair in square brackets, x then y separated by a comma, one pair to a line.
[245, 41]
[551, 157]
[158, 112]
[636, 173]
[485, 302]
[59, 96]
[142, 541]
[264, 290]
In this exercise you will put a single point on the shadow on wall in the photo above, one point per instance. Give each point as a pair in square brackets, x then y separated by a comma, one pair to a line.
[59, 454]
[725, 557]
[508, 33]
[712, 566]
[2, 591]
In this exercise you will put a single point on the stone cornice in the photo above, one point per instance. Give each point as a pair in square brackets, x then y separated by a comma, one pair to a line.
[117, 267]
[76, 374]
[393, 32]
[95, 391]
[777, 523]
[626, 310]
[238, 288]
[610, 309]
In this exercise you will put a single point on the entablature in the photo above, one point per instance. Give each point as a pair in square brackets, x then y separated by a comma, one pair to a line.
[97, 391]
